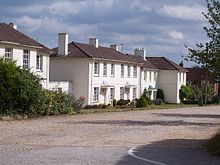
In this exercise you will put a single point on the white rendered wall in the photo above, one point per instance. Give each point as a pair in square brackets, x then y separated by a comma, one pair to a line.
[18, 57]
[74, 70]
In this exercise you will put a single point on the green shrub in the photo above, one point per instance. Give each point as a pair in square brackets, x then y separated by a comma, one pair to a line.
[160, 94]
[141, 102]
[213, 145]
[122, 102]
[185, 92]
[20, 90]
[114, 103]
[146, 96]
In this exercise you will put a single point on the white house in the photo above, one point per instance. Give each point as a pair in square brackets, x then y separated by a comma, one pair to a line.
[27, 52]
[101, 74]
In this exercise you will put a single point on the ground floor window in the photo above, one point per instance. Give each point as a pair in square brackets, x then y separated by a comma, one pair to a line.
[95, 94]
[112, 93]
[121, 93]
[134, 93]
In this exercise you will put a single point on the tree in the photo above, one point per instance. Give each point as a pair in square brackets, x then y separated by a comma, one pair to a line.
[160, 94]
[185, 93]
[208, 54]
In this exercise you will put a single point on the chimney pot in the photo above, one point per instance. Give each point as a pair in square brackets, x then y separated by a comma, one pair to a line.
[13, 26]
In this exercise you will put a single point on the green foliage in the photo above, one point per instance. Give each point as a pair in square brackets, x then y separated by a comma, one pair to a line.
[213, 145]
[185, 92]
[208, 54]
[146, 96]
[122, 102]
[141, 102]
[20, 91]
[21, 94]
[114, 102]
[160, 94]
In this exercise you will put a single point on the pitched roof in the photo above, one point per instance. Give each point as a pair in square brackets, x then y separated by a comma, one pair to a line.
[163, 63]
[11, 35]
[89, 51]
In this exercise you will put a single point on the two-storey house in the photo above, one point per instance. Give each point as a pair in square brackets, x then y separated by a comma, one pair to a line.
[101, 74]
[28, 53]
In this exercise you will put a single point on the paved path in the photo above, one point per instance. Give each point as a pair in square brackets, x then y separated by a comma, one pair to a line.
[156, 137]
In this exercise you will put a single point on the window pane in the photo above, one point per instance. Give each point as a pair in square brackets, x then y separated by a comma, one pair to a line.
[129, 70]
[121, 93]
[95, 94]
[122, 70]
[39, 62]
[112, 70]
[26, 57]
[96, 68]
[104, 69]
[112, 93]
[135, 72]
[8, 53]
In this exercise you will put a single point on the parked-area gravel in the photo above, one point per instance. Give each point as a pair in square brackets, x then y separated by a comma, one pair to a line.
[104, 138]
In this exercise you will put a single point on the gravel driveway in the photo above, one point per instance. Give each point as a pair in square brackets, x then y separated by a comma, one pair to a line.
[103, 138]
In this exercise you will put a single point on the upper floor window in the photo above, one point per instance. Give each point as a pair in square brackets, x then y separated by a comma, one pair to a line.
[122, 70]
[112, 93]
[150, 76]
[39, 62]
[135, 72]
[129, 71]
[155, 76]
[96, 69]
[104, 69]
[112, 70]
[26, 59]
[95, 94]
[145, 75]
[8, 54]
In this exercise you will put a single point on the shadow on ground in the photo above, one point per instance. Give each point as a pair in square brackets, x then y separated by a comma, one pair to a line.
[145, 123]
[188, 115]
[171, 152]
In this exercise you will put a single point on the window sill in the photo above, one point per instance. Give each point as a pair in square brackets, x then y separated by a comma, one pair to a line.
[39, 70]
[96, 76]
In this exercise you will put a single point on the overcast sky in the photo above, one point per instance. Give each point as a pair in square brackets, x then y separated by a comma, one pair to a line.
[160, 26]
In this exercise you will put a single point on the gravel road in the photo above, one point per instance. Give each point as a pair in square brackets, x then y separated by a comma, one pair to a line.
[105, 138]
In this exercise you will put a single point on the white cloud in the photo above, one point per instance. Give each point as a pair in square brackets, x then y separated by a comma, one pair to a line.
[176, 35]
[183, 12]
[53, 25]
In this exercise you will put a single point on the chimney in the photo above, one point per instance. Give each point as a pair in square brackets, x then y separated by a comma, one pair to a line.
[140, 52]
[62, 44]
[118, 48]
[115, 47]
[94, 41]
[13, 26]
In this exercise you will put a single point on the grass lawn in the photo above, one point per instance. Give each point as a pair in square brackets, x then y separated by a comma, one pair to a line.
[149, 107]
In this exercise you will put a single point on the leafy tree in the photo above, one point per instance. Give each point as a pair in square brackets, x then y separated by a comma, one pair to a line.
[208, 54]
[185, 92]
[160, 94]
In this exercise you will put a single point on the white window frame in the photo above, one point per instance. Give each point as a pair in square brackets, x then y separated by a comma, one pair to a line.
[95, 94]
[134, 71]
[26, 59]
[39, 62]
[104, 69]
[122, 70]
[8, 54]
[96, 69]
[134, 92]
[155, 76]
[145, 75]
[112, 93]
[150, 76]
[121, 92]
[112, 70]
[129, 71]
